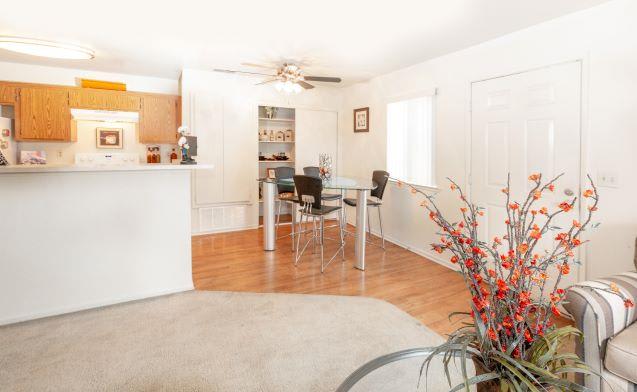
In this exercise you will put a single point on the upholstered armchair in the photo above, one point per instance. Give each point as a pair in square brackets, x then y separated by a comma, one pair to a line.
[610, 330]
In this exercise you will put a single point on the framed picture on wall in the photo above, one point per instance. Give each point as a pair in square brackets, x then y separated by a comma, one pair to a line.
[110, 137]
[361, 120]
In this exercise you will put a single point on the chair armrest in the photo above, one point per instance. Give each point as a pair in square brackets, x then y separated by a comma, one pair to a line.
[607, 307]
[600, 315]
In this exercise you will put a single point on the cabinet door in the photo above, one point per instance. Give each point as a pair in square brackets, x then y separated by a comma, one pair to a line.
[316, 133]
[7, 94]
[104, 100]
[206, 120]
[158, 119]
[44, 114]
[240, 148]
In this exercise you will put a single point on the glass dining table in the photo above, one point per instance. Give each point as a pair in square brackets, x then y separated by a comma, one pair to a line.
[342, 184]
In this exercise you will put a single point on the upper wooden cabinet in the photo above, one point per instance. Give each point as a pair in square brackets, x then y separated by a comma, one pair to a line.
[159, 119]
[8, 94]
[44, 114]
[104, 100]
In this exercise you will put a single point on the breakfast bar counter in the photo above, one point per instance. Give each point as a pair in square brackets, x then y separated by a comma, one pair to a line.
[75, 237]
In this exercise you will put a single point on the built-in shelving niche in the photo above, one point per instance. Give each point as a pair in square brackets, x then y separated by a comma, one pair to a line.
[276, 134]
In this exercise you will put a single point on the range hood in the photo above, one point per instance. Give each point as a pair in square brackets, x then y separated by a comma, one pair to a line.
[104, 115]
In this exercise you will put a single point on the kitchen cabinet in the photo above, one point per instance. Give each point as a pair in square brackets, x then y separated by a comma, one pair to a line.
[159, 118]
[44, 114]
[7, 94]
[104, 100]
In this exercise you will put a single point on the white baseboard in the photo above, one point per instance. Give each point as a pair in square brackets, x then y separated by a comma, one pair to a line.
[76, 308]
[225, 230]
[436, 258]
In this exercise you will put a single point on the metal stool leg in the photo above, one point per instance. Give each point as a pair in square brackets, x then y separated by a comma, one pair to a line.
[341, 229]
[278, 218]
[293, 207]
[380, 222]
[321, 238]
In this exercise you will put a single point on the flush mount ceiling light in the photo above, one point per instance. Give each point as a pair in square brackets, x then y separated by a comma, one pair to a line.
[42, 48]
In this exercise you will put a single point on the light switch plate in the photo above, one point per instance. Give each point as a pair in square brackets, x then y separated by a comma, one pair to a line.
[608, 179]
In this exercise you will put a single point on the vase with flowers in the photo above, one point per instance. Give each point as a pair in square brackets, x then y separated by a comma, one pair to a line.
[512, 339]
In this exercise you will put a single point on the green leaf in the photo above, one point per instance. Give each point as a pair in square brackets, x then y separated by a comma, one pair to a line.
[517, 374]
[463, 366]
[475, 380]
[569, 385]
[571, 369]
[517, 365]
[537, 369]
[514, 382]
[458, 314]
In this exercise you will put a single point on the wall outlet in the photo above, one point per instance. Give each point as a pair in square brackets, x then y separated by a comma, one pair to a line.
[607, 179]
[60, 154]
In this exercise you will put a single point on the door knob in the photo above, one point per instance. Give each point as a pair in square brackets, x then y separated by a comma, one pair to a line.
[568, 192]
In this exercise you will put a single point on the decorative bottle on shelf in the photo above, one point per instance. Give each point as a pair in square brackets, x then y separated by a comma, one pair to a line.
[173, 157]
[149, 155]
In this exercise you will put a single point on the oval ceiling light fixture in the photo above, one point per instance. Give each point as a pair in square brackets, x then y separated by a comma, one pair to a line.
[42, 48]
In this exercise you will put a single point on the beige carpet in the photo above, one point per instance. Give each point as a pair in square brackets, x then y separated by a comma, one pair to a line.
[214, 341]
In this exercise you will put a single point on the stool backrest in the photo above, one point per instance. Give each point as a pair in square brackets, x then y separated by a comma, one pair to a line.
[284, 172]
[312, 171]
[380, 177]
[309, 189]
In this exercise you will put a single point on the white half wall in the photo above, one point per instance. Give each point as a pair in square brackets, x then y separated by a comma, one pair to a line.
[72, 241]
[603, 37]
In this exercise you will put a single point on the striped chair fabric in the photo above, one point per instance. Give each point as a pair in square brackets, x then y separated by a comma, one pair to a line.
[601, 315]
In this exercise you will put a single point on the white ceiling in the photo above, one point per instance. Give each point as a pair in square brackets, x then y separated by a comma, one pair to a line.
[353, 39]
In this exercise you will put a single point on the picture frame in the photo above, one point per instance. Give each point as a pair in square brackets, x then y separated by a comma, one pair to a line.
[271, 173]
[361, 120]
[109, 138]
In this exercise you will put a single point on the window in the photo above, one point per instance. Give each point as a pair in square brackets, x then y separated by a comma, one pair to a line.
[410, 140]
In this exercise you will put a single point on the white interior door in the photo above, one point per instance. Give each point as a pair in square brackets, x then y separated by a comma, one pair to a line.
[523, 124]
[316, 133]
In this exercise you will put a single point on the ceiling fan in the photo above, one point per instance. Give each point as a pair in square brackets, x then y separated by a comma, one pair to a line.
[289, 78]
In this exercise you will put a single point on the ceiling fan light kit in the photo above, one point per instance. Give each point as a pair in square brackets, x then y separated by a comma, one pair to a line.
[289, 78]
[288, 87]
[42, 48]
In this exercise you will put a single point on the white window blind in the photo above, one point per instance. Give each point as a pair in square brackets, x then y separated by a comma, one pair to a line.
[410, 140]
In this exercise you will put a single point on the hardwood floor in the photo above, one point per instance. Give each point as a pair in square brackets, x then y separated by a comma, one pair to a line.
[237, 262]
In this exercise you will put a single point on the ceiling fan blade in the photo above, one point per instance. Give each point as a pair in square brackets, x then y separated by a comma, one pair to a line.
[231, 71]
[305, 85]
[266, 82]
[322, 79]
[259, 66]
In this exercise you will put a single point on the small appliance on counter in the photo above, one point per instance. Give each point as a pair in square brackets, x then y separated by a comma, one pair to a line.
[106, 159]
[188, 146]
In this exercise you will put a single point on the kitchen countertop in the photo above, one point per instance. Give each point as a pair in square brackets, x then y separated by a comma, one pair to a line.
[55, 168]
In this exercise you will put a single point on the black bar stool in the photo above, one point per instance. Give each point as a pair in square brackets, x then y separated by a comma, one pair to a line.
[314, 171]
[309, 189]
[380, 177]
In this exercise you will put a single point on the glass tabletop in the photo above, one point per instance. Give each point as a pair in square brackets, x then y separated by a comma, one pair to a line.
[347, 183]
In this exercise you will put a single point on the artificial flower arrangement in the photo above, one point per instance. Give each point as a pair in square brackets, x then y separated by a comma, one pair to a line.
[512, 339]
